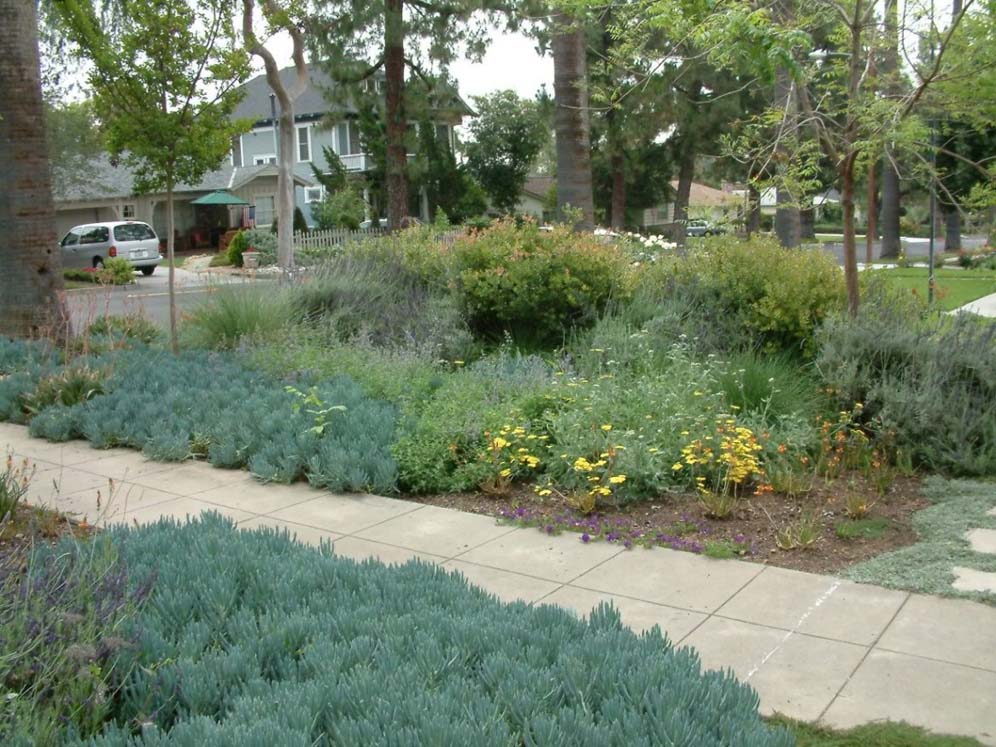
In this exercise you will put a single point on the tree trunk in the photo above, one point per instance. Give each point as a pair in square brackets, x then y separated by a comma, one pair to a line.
[618, 191]
[892, 87]
[807, 224]
[872, 205]
[174, 340]
[394, 112]
[952, 229]
[788, 225]
[753, 218]
[285, 193]
[850, 240]
[31, 280]
[686, 172]
[570, 90]
[889, 216]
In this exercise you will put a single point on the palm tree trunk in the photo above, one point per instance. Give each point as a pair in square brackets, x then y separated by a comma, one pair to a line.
[686, 173]
[574, 189]
[850, 239]
[889, 216]
[31, 280]
[394, 106]
[872, 199]
[952, 229]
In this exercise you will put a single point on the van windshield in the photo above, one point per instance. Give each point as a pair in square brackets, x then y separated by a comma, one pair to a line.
[133, 232]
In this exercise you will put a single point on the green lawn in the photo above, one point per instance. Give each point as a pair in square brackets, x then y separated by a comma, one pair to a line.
[954, 287]
[872, 735]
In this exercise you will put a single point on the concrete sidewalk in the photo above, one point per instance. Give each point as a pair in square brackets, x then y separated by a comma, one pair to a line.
[985, 306]
[814, 647]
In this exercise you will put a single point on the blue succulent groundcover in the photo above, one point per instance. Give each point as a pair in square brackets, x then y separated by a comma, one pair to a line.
[249, 638]
[211, 405]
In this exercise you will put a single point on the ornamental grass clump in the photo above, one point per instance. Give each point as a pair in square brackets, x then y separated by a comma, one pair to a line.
[281, 644]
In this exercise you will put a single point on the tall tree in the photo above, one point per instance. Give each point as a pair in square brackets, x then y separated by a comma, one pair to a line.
[31, 281]
[507, 135]
[891, 185]
[357, 43]
[571, 123]
[279, 19]
[165, 81]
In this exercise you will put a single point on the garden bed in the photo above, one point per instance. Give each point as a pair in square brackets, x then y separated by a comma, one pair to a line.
[752, 533]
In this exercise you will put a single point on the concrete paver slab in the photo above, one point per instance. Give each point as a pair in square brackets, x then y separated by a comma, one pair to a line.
[307, 535]
[942, 697]
[671, 577]
[507, 586]
[437, 531]
[122, 465]
[951, 630]
[67, 454]
[982, 540]
[51, 484]
[188, 478]
[819, 605]
[361, 549]
[969, 579]
[534, 553]
[797, 676]
[344, 513]
[258, 497]
[99, 508]
[638, 615]
[182, 509]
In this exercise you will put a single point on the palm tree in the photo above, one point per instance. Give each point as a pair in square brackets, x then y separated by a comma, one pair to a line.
[571, 121]
[31, 280]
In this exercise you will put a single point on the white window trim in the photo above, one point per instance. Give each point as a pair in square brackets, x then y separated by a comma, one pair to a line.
[124, 211]
[297, 142]
[319, 190]
[267, 159]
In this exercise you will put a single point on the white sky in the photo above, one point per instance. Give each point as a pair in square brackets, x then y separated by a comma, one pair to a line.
[511, 62]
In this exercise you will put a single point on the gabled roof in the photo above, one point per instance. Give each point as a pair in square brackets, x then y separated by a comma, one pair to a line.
[105, 180]
[702, 195]
[538, 186]
[312, 104]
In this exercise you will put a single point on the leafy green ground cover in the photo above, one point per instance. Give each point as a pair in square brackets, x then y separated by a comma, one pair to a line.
[955, 287]
[871, 735]
[958, 505]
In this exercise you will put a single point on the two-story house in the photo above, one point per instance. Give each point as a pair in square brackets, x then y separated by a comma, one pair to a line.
[318, 124]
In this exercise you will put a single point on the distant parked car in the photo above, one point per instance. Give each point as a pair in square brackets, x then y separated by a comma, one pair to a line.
[90, 244]
[699, 227]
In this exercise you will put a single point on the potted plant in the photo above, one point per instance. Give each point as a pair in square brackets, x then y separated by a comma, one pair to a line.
[250, 258]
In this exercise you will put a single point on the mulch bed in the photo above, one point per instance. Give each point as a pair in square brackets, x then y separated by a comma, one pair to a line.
[756, 523]
[30, 526]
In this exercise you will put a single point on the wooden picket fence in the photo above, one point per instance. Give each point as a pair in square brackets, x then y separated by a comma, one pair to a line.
[333, 238]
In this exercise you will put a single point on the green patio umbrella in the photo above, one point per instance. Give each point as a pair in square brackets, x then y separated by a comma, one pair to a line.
[219, 197]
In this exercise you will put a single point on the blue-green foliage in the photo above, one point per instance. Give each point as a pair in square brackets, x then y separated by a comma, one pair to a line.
[278, 644]
[22, 364]
[211, 405]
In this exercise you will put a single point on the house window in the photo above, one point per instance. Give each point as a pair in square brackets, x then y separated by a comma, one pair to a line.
[264, 159]
[264, 210]
[303, 143]
[314, 194]
[128, 211]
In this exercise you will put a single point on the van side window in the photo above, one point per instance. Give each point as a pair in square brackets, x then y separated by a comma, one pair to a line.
[71, 239]
[95, 235]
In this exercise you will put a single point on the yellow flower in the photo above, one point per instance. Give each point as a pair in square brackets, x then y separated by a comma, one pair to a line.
[617, 479]
[582, 465]
[543, 493]
[677, 466]
[607, 427]
[499, 443]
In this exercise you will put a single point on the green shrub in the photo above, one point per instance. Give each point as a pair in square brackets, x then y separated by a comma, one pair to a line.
[778, 296]
[61, 632]
[233, 315]
[772, 386]
[342, 209]
[116, 271]
[70, 386]
[261, 241]
[930, 380]
[535, 285]
[236, 247]
[15, 479]
[311, 648]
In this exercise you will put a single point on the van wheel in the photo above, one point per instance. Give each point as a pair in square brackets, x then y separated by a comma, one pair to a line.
[148, 270]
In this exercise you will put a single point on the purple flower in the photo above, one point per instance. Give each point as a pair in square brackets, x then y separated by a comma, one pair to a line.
[585, 538]
[548, 529]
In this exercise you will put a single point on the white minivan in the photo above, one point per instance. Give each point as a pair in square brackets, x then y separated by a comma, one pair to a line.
[90, 244]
